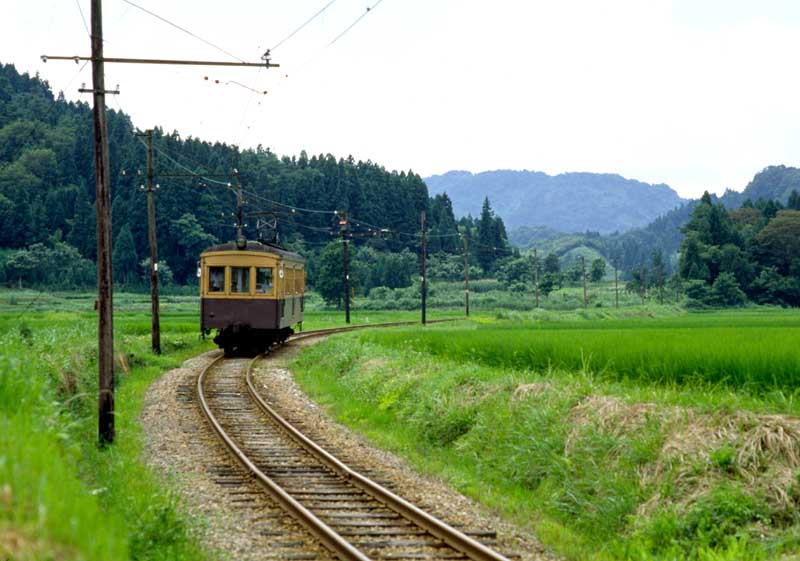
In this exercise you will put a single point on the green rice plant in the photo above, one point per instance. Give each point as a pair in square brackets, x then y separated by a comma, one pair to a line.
[756, 354]
[580, 454]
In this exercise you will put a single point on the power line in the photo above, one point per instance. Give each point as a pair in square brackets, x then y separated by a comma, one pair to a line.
[309, 20]
[291, 207]
[352, 25]
[294, 208]
[187, 169]
[83, 17]
[176, 26]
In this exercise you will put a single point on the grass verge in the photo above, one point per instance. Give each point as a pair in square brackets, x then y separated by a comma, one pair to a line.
[61, 497]
[601, 467]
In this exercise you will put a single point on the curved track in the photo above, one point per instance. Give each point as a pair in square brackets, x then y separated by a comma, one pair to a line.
[351, 515]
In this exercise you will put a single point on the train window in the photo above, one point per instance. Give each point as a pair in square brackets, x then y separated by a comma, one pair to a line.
[216, 279]
[263, 280]
[289, 281]
[240, 279]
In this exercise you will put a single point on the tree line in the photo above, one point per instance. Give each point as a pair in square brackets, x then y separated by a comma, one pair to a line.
[47, 198]
[752, 253]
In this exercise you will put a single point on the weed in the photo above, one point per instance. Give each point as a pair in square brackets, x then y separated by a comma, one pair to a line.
[724, 458]
[25, 331]
[620, 439]
[724, 512]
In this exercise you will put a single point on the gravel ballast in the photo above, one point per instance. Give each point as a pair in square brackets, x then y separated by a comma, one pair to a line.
[233, 515]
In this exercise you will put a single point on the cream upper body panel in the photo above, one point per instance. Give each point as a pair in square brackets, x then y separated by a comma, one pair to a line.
[251, 274]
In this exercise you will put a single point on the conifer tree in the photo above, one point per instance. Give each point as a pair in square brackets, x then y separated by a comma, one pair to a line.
[124, 258]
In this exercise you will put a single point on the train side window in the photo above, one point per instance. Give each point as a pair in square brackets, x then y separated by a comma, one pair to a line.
[240, 280]
[263, 280]
[216, 279]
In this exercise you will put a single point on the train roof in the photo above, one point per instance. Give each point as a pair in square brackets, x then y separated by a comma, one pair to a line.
[255, 246]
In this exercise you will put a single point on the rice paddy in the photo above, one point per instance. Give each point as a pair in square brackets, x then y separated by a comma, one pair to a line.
[756, 351]
[667, 436]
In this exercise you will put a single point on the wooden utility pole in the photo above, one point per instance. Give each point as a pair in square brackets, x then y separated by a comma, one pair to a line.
[105, 325]
[155, 330]
[345, 265]
[536, 276]
[466, 274]
[424, 271]
[241, 242]
[583, 274]
[616, 285]
[644, 283]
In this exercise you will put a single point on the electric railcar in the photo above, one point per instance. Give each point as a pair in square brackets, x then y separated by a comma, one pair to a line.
[252, 294]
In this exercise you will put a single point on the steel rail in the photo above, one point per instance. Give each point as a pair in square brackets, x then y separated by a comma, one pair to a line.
[452, 537]
[329, 538]
[334, 330]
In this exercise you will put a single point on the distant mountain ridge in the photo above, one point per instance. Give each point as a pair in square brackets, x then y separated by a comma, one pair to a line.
[568, 202]
[635, 246]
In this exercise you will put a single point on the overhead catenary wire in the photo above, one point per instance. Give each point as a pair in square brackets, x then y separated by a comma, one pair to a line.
[176, 26]
[352, 25]
[373, 228]
[83, 18]
[305, 23]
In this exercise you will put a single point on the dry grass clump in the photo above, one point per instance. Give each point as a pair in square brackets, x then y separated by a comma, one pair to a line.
[16, 545]
[613, 416]
[535, 389]
[699, 451]
[762, 451]
[376, 363]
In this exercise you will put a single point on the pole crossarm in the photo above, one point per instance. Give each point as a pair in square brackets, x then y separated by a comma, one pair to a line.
[77, 59]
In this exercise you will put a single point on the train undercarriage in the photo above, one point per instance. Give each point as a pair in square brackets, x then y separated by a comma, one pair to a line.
[244, 341]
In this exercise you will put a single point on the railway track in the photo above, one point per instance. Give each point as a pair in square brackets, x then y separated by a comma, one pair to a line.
[353, 516]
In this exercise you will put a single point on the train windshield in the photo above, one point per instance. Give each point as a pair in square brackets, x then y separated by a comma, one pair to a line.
[216, 279]
[263, 280]
[240, 279]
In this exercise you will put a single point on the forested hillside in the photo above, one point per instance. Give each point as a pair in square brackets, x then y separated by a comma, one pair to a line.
[47, 195]
[569, 202]
[770, 190]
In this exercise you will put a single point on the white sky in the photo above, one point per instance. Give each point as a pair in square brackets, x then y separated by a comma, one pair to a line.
[699, 94]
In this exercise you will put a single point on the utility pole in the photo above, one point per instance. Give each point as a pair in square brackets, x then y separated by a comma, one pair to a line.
[583, 274]
[345, 258]
[466, 274]
[424, 271]
[616, 284]
[536, 276]
[241, 242]
[644, 283]
[105, 318]
[105, 327]
[155, 330]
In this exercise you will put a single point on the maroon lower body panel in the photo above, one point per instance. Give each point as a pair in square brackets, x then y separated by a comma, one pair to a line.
[255, 314]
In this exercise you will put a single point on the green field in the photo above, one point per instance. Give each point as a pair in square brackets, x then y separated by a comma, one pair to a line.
[56, 487]
[639, 433]
[61, 497]
[660, 435]
[757, 350]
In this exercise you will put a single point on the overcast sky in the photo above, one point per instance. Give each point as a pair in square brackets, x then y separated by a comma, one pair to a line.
[698, 94]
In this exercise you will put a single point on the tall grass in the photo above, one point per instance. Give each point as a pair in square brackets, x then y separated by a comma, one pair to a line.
[577, 456]
[60, 495]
